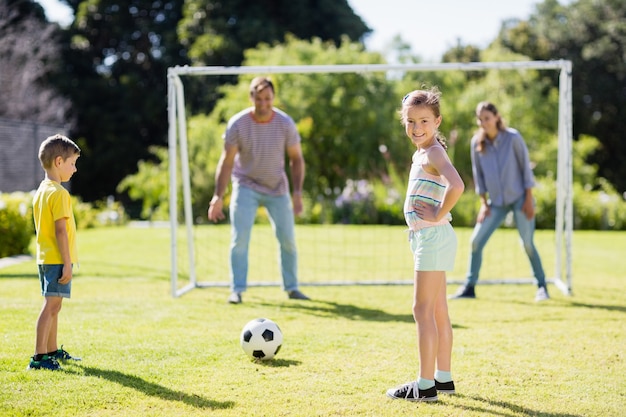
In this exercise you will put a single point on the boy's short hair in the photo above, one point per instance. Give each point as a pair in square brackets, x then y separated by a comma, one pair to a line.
[56, 145]
[259, 84]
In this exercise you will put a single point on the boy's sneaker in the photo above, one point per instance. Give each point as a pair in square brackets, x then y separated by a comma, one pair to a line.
[62, 355]
[445, 387]
[47, 362]
[411, 392]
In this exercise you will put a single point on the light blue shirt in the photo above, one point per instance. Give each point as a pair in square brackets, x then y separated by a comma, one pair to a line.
[502, 170]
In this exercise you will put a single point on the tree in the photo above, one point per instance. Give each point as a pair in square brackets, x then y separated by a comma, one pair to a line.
[348, 122]
[344, 119]
[218, 32]
[26, 63]
[117, 54]
[115, 62]
[462, 53]
[592, 34]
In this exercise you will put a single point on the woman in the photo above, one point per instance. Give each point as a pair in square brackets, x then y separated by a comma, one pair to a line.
[504, 181]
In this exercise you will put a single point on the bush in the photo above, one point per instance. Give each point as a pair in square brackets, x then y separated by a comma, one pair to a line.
[545, 203]
[103, 213]
[17, 227]
[16, 223]
[594, 209]
[465, 210]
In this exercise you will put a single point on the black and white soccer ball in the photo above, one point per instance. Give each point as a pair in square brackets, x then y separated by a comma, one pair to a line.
[261, 339]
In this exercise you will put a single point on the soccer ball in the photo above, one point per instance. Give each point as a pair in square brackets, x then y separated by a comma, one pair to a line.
[261, 339]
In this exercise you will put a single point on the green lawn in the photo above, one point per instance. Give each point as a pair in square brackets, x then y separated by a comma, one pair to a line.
[146, 353]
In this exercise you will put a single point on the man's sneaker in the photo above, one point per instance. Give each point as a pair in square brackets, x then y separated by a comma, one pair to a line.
[542, 294]
[445, 387]
[411, 392]
[234, 298]
[62, 355]
[46, 362]
[465, 291]
[297, 295]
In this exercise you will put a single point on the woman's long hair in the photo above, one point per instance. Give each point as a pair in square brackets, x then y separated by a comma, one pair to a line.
[482, 135]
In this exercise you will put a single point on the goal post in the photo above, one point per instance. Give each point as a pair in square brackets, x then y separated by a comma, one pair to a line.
[177, 143]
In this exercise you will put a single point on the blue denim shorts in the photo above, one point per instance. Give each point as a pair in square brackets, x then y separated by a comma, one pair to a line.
[49, 275]
[434, 248]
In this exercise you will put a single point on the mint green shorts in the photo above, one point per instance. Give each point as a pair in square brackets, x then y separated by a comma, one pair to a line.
[434, 248]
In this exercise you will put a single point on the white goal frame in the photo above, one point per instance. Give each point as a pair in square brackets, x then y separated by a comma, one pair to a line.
[177, 142]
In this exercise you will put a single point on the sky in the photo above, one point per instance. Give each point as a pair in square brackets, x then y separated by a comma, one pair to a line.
[431, 27]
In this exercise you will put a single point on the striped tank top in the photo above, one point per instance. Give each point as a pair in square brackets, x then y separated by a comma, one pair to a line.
[424, 187]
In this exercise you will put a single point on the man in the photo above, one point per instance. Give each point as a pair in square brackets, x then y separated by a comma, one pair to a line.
[255, 143]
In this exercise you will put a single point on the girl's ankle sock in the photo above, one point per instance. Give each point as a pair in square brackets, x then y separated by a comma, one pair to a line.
[425, 383]
[443, 376]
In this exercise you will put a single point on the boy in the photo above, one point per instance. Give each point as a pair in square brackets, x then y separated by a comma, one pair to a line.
[56, 245]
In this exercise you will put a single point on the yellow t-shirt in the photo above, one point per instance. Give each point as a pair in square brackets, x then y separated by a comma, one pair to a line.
[50, 203]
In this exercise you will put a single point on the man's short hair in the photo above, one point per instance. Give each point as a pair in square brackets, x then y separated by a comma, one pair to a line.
[259, 84]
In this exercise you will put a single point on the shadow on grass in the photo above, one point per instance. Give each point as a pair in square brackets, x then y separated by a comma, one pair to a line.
[278, 363]
[618, 308]
[150, 388]
[18, 276]
[507, 408]
[349, 311]
[565, 303]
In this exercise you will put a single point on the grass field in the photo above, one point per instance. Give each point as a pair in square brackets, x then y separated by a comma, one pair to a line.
[146, 353]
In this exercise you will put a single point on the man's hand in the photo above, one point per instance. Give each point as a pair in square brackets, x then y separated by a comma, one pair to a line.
[297, 203]
[215, 212]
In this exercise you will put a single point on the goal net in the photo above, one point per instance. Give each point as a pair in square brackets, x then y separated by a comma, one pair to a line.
[328, 254]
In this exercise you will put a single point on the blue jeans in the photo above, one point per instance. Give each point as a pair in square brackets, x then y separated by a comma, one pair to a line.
[243, 207]
[483, 231]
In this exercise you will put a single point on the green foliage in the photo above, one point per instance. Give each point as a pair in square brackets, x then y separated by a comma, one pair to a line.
[16, 223]
[115, 59]
[97, 214]
[465, 210]
[584, 173]
[217, 33]
[591, 34]
[599, 210]
[150, 186]
[341, 139]
[344, 119]
[544, 194]
[602, 209]
[351, 133]
[17, 227]
[597, 205]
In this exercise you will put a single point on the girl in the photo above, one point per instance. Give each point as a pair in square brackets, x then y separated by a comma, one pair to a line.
[434, 188]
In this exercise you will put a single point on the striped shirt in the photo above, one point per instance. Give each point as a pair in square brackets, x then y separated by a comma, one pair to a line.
[260, 161]
[503, 168]
[424, 187]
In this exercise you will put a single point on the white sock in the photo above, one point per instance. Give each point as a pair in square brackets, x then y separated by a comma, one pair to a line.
[443, 376]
